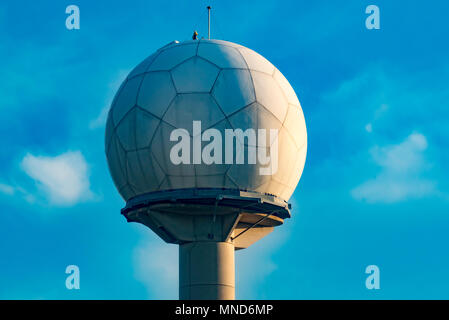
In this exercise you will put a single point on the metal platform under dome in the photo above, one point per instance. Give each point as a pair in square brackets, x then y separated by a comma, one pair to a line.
[208, 214]
[234, 199]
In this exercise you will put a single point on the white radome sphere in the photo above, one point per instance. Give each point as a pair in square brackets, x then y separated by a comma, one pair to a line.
[223, 85]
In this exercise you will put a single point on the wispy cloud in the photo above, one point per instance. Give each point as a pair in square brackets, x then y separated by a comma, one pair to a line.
[401, 167]
[114, 85]
[156, 265]
[386, 112]
[14, 190]
[7, 189]
[63, 178]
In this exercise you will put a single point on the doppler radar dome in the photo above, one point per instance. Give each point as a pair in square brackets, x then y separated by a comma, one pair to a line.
[206, 142]
[225, 86]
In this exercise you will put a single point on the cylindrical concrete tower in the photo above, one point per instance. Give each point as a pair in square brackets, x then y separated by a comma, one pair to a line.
[206, 142]
[206, 270]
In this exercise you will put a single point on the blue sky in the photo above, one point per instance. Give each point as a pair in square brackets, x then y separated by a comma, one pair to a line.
[374, 189]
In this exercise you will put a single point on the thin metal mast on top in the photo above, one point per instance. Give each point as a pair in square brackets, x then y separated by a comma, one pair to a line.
[208, 22]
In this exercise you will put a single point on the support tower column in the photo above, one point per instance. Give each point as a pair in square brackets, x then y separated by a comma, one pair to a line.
[206, 271]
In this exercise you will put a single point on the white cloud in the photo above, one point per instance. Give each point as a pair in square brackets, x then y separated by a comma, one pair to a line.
[402, 158]
[401, 168]
[156, 266]
[63, 178]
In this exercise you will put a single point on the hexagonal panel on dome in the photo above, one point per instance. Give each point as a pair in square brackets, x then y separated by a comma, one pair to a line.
[117, 94]
[181, 182]
[215, 169]
[287, 193]
[126, 130]
[164, 184]
[136, 179]
[255, 61]
[279, 189]
[298, 167]
[270, 95]
[286, 88]
[194, 75]
[146, 125]
[287, 155]
[233, 90]
[221, 42]
[127, 98]
[263, 188]
[187, 108]
[214, 181]
[109, 130]
[116, 160]
[151, 170]
[161, 147]
[143, 66]
[142, 176]
[296, 125]
[172, 56]
[221, 55]
[127, 192]
[247, 176]
[255, 116]
[156, 92]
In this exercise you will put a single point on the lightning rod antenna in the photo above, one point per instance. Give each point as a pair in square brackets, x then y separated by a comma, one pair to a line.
[208, 22]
